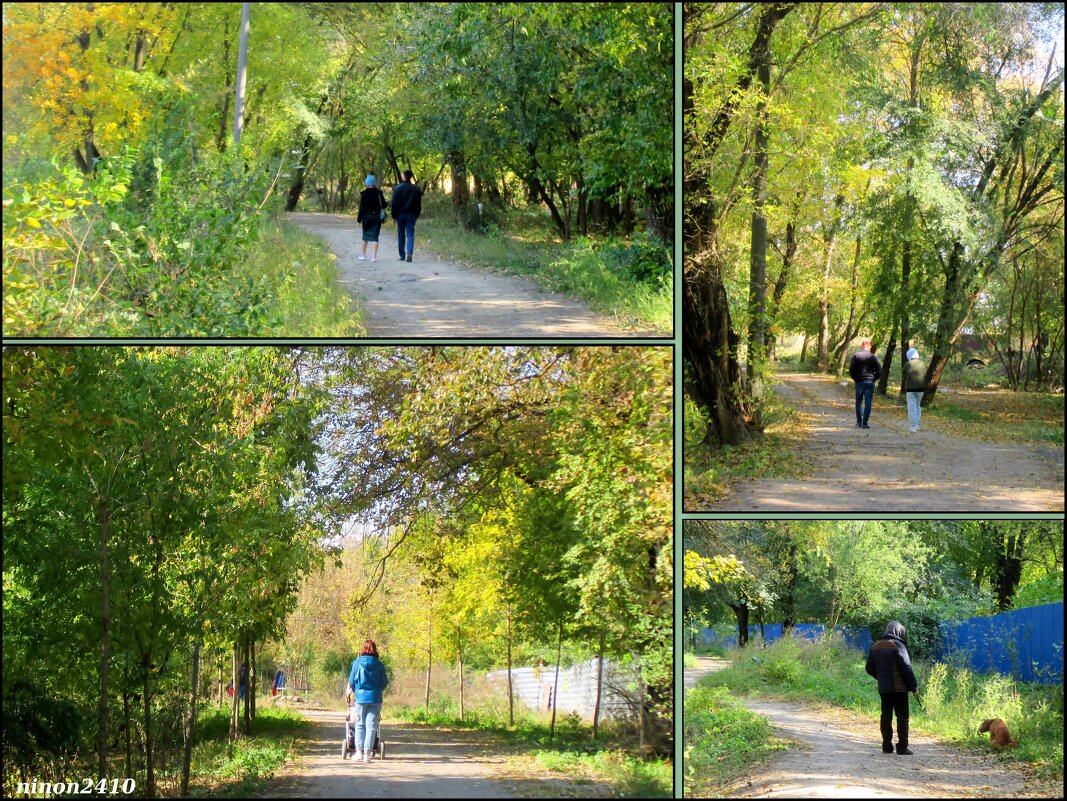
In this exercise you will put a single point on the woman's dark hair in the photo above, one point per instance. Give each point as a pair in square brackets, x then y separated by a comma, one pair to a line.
[369, 649]
[407, 175]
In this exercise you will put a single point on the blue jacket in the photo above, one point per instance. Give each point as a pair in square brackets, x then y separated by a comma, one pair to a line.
[367, 679]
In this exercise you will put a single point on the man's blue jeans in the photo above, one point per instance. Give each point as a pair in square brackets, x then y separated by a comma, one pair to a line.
[366, 718]
[864, 396]
[405, 230]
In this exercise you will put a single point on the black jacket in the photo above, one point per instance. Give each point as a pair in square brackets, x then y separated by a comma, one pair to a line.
[888, 661]
[407, 199]
[371, 204]
[864, 367]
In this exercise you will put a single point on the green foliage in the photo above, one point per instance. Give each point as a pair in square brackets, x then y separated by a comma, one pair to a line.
[1045, 590]
[724, 741]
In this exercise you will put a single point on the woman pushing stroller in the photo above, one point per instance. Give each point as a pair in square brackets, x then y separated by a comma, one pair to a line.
[366, 681]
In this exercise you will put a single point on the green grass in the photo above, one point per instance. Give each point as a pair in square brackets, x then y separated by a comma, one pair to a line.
[954, 699]
[276, 739]
[611, 275]
[723, 741]
[572, 752]
[306, 299]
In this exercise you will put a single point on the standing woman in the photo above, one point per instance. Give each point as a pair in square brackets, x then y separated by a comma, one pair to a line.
[366, 682]
[915, 388]
[371, 213]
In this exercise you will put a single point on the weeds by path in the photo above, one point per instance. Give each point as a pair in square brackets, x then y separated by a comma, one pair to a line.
[605, 767]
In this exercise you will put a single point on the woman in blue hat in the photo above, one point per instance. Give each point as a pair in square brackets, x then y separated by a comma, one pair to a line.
[371, 212]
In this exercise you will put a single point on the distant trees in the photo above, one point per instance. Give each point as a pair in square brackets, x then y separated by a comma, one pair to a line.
[925, 137]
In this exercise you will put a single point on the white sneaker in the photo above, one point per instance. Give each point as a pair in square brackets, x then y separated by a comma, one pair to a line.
[374, 260]
[913, 431]
[366, 757]
[358, 755]
[362, 258]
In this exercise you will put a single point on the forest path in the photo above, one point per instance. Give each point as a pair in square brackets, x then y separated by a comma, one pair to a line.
[886, 469]
[839, 755]
[420, 762]
[429, 297]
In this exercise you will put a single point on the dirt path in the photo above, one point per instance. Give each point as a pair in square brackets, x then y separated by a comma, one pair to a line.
[839, 755]
[420, 762]
[431, 297]
[705, 665]
[886, 469]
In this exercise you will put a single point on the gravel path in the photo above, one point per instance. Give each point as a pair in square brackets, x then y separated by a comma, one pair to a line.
[434, 298]
[886, 469]
[420, 762]
[839, 755]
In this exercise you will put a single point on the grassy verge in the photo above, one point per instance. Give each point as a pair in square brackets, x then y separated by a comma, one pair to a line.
[277, 738]
[710, 471]
[571, 754]
[608, 274]
[998, 415]
[723, 741]
[305, 297]
[954, 700]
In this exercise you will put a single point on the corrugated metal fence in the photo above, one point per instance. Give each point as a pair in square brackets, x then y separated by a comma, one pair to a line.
[1024, 643]
[577, 688]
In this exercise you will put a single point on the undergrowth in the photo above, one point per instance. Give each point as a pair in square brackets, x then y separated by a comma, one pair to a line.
[631, 279]
[954, 699]
[572, 751]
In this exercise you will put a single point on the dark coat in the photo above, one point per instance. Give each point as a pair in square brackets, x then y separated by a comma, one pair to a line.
[915, 376]
[371, 204]
[864, 367]
[407, 199]
[888, 661]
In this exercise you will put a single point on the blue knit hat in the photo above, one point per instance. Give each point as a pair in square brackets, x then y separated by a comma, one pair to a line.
[370, 180]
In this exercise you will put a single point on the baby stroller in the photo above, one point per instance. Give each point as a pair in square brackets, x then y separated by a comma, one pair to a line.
[350, 727]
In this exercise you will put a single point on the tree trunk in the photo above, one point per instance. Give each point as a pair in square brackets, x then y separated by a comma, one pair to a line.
[429, 651]
[190, 721]
[599, 681]
[220, 680]
[555, 681]
[842, 350]
[757, 279]
[150, 771]
[640, 711]
[659, 214]
[780, 284]
[824, 300]
[741, 612]
[887, 362]
[127, 724]
[252, 679]
[234, 708]
[247, 717]
[103, 517]
[789, 603]
[242, 77]
[1009, 568]
[511, 693]
[459, 649]
[224, 116]
[457, 164]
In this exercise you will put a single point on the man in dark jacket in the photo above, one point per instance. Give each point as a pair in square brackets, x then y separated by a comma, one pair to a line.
[407, 206]
[889, 662]
[865, 370]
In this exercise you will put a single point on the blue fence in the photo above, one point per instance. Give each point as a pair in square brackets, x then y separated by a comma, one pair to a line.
[1024, 643]
[854, 638]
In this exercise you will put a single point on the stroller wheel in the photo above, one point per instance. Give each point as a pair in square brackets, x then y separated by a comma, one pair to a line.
[344, 750]
[381, 750]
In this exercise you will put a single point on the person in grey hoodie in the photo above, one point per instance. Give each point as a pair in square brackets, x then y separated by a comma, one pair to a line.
[889, 662]
[914, 388]
[366, 682]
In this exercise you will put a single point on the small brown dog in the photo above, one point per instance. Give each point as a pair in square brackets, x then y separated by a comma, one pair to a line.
[999, 736]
